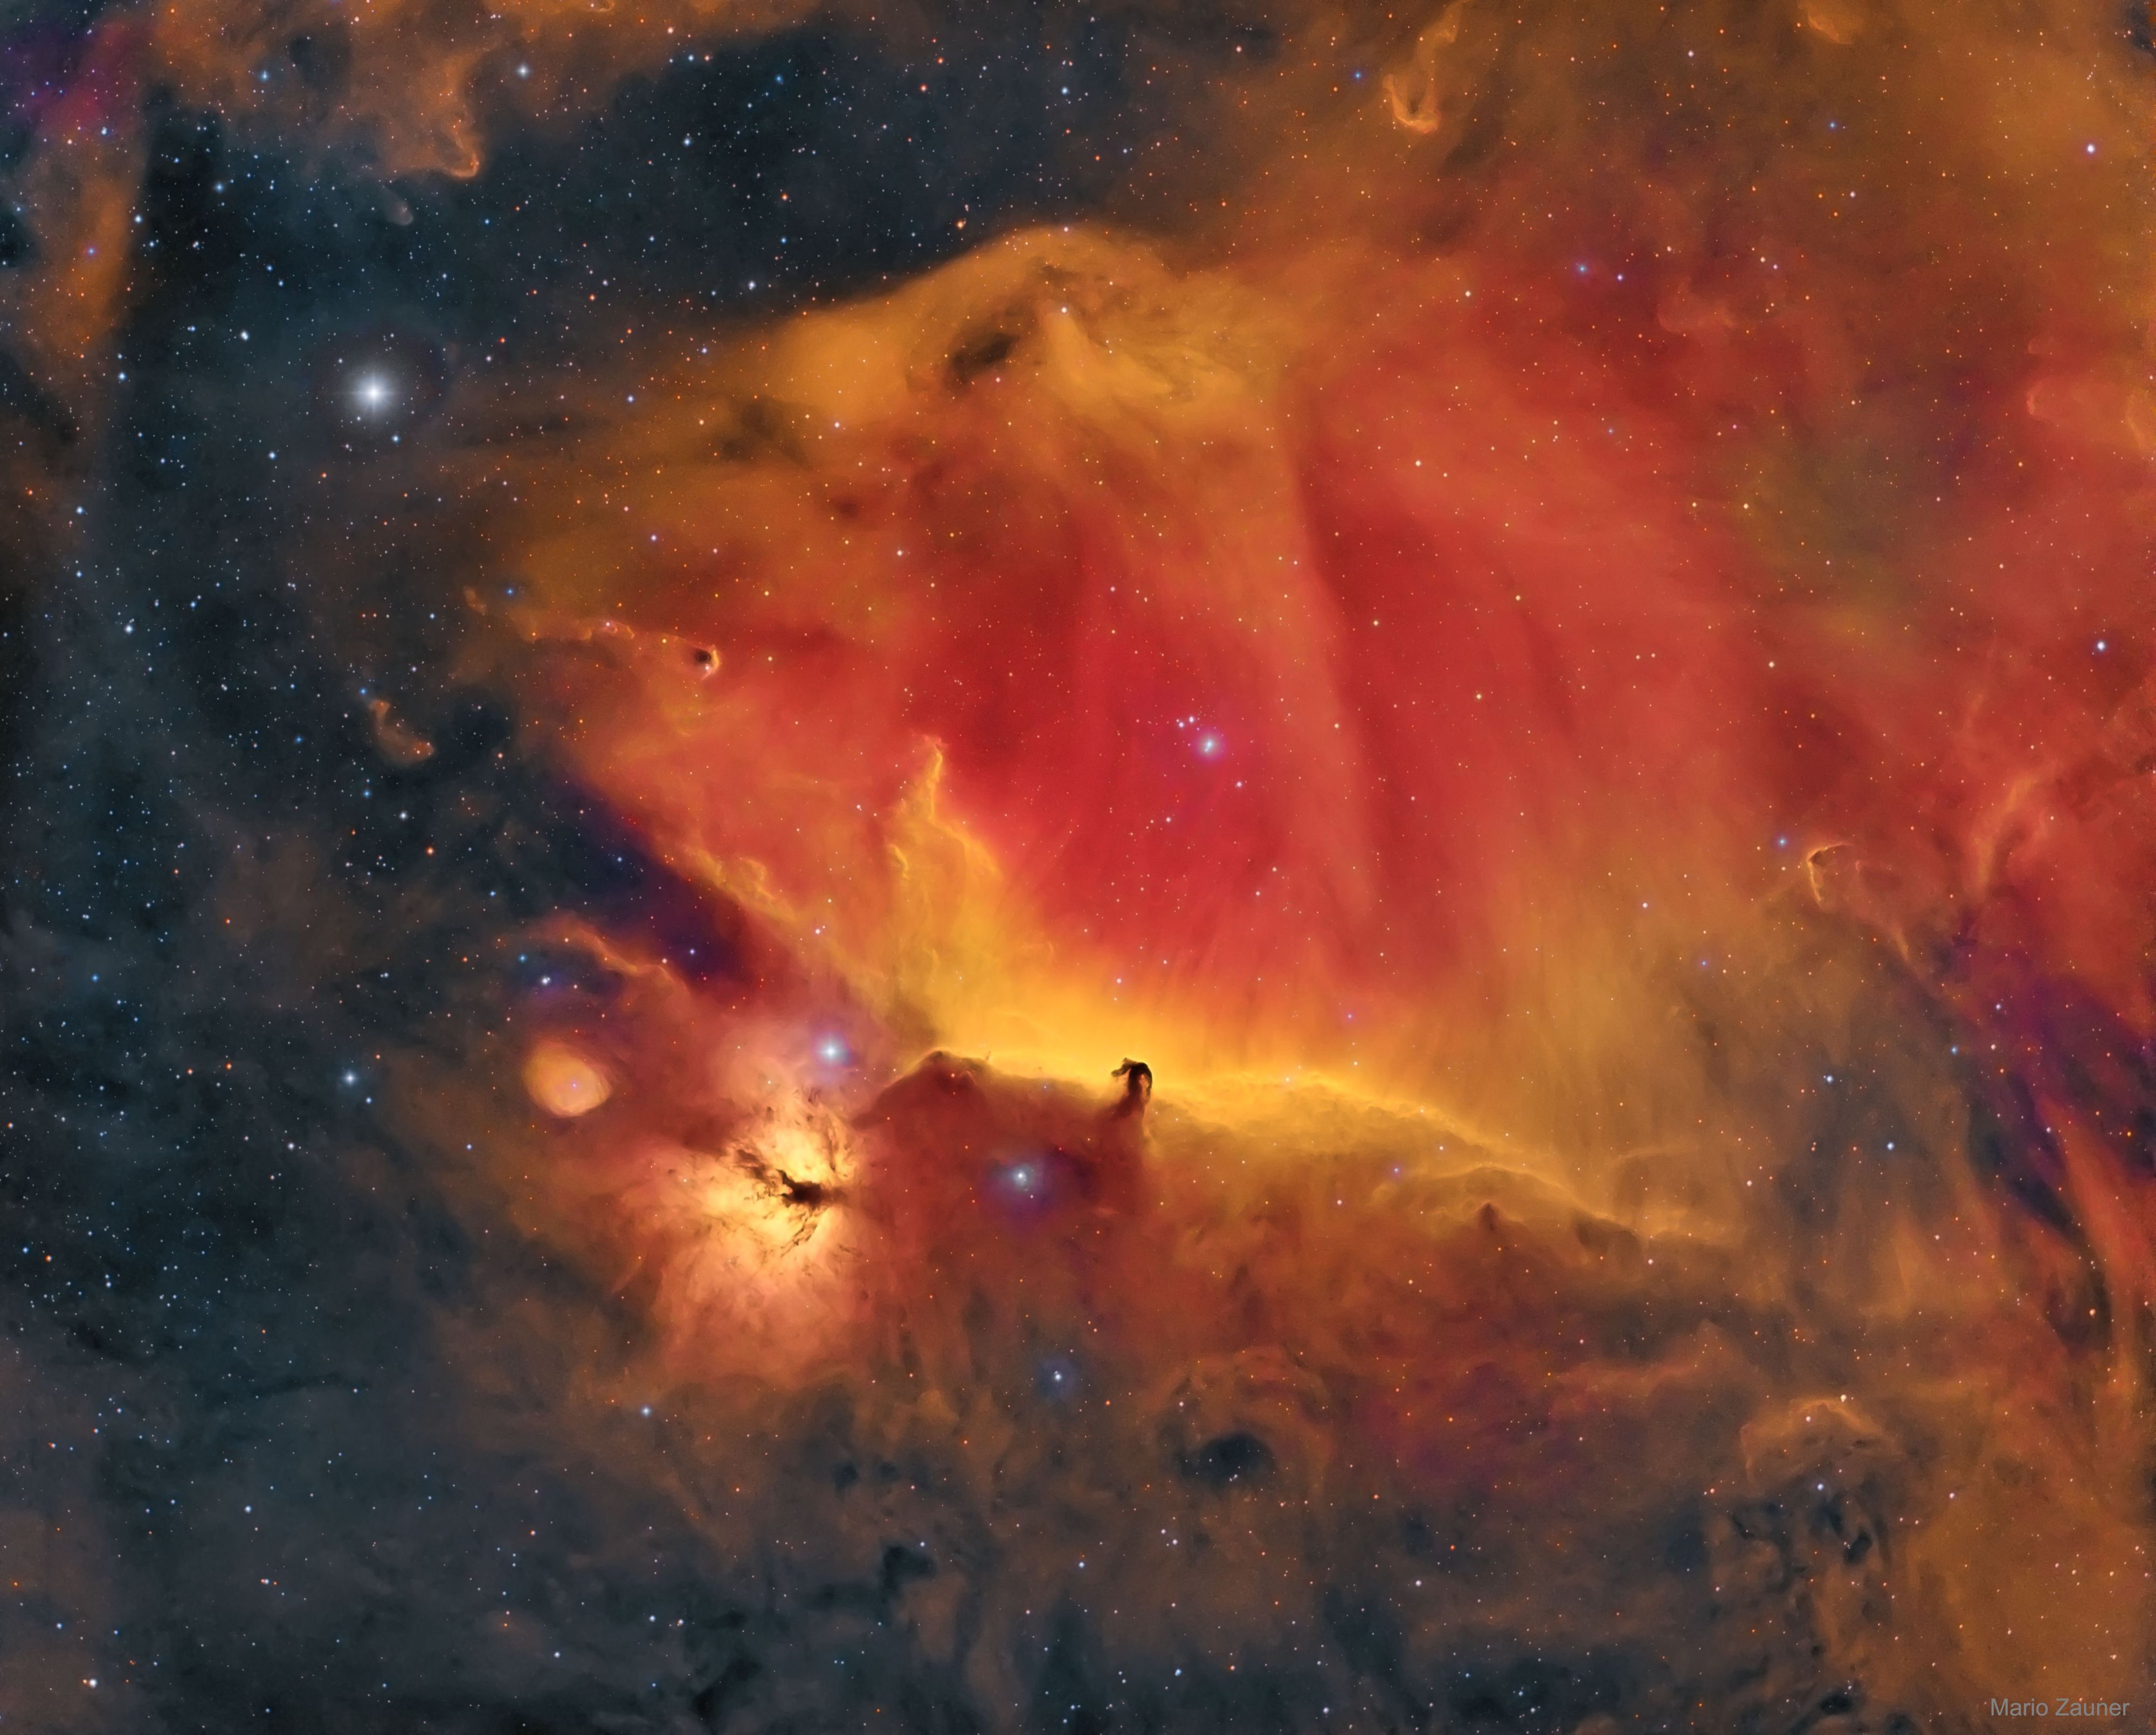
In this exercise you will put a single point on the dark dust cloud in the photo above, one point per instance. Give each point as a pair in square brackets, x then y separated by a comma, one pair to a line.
[1169, 867]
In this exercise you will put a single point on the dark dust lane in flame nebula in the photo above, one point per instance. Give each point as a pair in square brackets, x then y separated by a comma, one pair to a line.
[1539, 620]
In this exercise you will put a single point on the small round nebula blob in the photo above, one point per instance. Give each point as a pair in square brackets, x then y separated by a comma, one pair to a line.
[563, 1083]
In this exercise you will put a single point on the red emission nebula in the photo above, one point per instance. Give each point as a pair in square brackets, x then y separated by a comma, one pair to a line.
[1545, 619]
[1567, 662]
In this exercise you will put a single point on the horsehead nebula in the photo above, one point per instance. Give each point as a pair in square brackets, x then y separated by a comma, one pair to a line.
[1161, 868]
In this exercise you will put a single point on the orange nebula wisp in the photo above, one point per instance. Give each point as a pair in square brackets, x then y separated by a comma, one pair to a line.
[411, 86]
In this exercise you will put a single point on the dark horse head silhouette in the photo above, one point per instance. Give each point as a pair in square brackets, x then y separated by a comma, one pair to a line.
[1137, 1086]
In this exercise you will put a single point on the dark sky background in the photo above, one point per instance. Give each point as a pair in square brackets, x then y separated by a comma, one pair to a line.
[1514, 1310]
